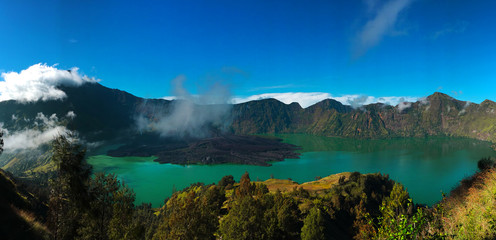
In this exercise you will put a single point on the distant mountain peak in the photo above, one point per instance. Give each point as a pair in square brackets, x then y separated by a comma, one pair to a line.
[439, 95]
[268, 100]
[331, 104]
[488, 103]
[295, 105]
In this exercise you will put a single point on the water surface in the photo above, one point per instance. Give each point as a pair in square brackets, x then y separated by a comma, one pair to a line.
[426, 166]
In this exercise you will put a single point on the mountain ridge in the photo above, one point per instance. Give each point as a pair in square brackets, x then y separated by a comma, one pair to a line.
[101, 114]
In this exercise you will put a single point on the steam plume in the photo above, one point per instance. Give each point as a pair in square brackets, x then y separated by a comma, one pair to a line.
[190, 115]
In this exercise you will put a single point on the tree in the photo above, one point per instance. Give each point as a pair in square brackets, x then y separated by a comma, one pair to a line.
[122, 215]
[85, 208]
[110, 209]
[396, 204]
[227, 182]
[245, 187]
[192, 214]
[281, 218]
[397, 220]
[68, 194]
[144, 222]
[485, 164]
[244, 220]
[314, 225]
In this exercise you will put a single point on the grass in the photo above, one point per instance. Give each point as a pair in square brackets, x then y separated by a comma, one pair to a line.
[11, 163]
[473, 216]
[37, 227]
[317, 186]
[45, 168]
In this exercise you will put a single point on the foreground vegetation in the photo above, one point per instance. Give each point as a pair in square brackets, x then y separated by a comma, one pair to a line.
[82, 205]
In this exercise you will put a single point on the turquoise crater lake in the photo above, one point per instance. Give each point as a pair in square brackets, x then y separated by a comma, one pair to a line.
[426, 166]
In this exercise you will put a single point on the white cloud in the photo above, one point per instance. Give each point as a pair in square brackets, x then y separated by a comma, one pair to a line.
[44, 130]
[306, 99]
[403, 105]
[39, 82]
[464, 109]
[51, 121]
[273, 87]
[423, 100]
[71, 115]
[383, 23]
[31, 138]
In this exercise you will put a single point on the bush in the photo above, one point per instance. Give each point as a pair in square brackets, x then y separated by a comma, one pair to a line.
[485, 164]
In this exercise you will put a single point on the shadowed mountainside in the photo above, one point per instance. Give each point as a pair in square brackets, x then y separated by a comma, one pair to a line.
[19, 210]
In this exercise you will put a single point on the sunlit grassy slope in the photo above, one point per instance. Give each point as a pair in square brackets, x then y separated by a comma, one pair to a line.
[286, 185]
[471, 214]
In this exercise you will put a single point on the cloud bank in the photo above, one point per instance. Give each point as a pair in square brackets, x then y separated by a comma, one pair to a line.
[306, 99]
[39, 82]
[381, 24]
[43, 130]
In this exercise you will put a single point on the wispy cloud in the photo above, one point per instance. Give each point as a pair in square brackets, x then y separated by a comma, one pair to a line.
[234, 70]
[458, 27]
[272, 87]
[457, 93]
[382, 23]
[403, 105]
[39, 82]
[43, 130]
[371, 5]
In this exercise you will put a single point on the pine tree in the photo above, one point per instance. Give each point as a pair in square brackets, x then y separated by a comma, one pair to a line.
[245, 187]
[244, 220]
[110, 209]
[313, 225]
[68, 194]
[192, 214]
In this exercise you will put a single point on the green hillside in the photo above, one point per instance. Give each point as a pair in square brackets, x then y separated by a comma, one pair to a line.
[438, 114]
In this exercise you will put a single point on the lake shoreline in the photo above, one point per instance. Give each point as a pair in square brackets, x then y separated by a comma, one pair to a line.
[425, 166]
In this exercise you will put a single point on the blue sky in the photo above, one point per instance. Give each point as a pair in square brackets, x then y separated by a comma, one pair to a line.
[356, 47]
